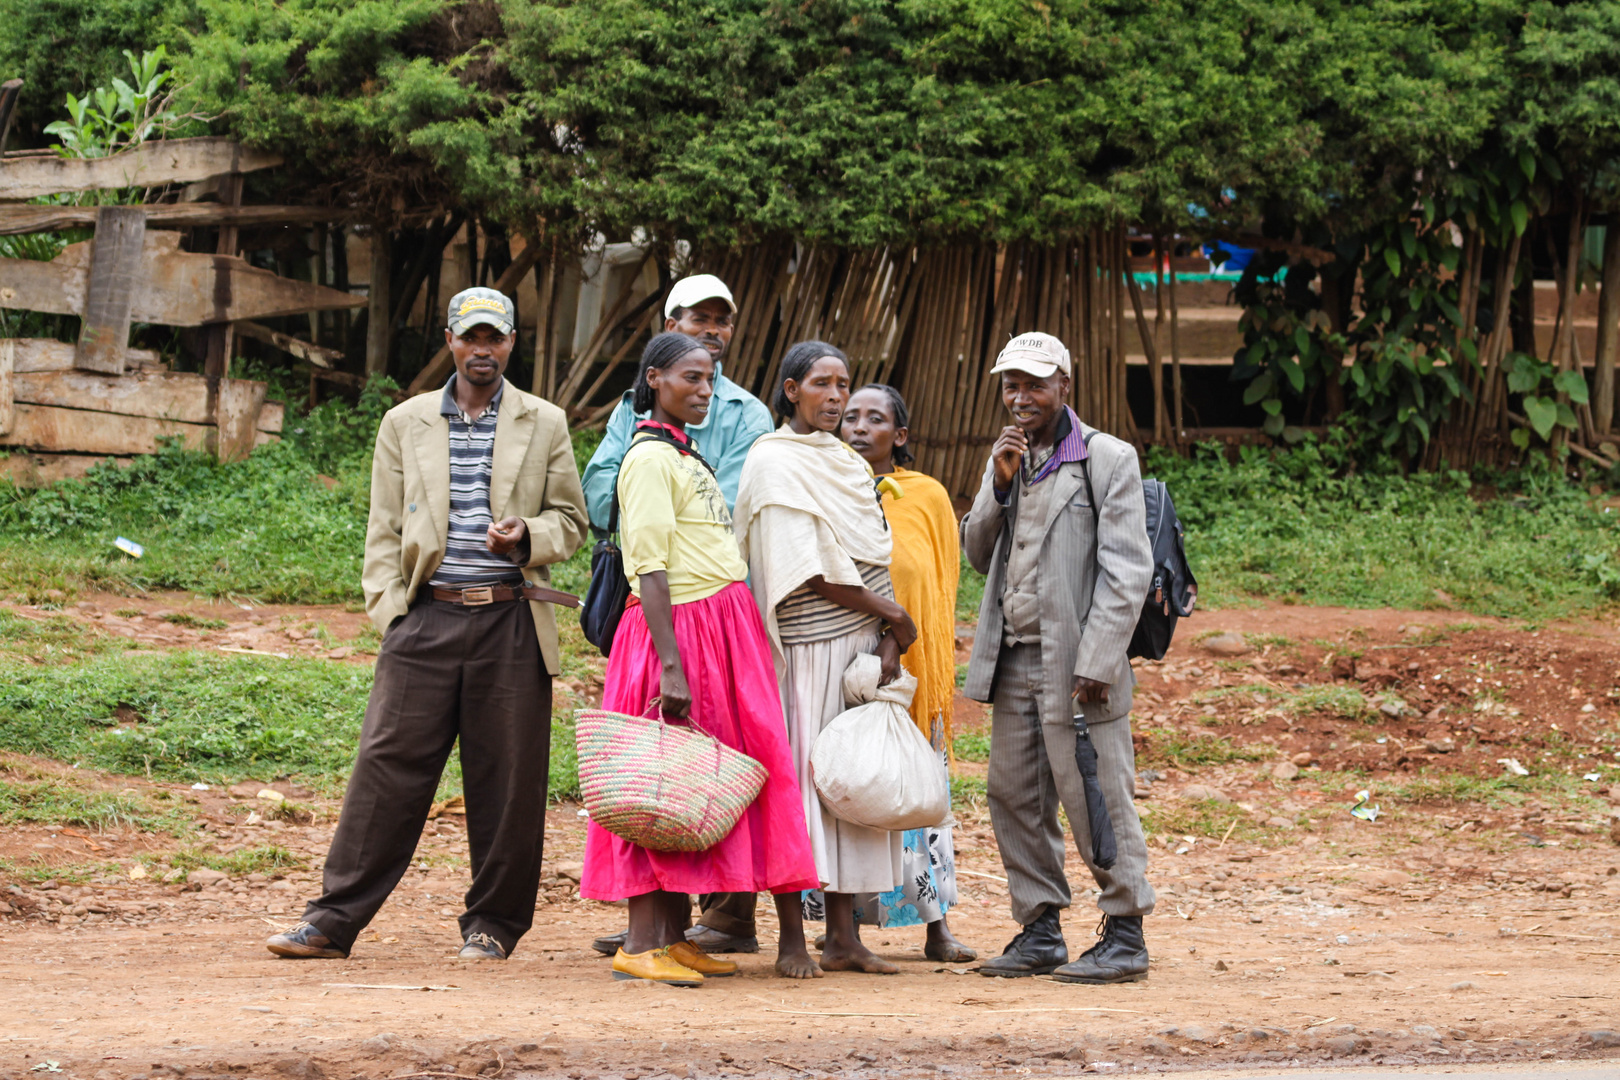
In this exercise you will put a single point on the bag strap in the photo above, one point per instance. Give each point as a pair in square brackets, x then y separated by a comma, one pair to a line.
[1085, 470]
[651, 435]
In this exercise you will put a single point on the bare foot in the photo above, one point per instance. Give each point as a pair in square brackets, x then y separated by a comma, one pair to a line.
[796, 964]
[943, 947]
[859, 958]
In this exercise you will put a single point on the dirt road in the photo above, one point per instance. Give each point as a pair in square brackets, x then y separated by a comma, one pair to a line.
[1472, 922]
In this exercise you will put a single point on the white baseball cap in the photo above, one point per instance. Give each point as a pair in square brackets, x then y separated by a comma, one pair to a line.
[1039, 354]
[692, 291]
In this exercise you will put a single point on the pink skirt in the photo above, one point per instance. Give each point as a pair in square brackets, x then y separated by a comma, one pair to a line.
[727, 660]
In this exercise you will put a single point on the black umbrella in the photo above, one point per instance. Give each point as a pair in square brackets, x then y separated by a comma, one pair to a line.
[1103, 848]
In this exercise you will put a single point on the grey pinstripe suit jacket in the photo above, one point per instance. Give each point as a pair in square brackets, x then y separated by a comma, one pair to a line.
[1094, 570]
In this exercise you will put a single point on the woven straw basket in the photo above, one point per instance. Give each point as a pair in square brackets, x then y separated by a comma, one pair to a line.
[660, 786]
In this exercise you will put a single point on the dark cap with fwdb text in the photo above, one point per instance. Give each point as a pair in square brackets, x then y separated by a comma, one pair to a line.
[480, 307]
[1041, 355]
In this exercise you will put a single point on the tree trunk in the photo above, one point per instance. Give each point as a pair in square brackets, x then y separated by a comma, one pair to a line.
[1608, 331]
[379, 324]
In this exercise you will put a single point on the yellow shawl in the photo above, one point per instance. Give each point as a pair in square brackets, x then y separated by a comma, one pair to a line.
[926, 561]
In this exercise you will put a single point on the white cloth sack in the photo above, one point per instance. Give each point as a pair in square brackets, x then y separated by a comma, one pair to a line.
[870, 764]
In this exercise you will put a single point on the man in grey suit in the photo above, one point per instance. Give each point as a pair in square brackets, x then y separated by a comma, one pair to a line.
[1065, 584]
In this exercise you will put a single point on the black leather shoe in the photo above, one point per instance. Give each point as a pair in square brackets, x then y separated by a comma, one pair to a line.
[610, 945]
[1037, 950]
[1120, 954]
[711, 940]
[305, 942]
[480, 946]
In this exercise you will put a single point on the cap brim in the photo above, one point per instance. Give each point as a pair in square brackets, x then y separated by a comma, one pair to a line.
[461, 326]
[1039, 369]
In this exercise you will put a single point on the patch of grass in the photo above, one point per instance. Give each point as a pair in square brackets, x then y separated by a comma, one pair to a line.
[195, 622]
[969, 593]
[53, 802]
[1312, 524]
[968, 792]
[1264, 641]
[66, 873]
[1504, 790]
[263, 859]
[1174, 749]
[49, 640]
[1342, 702]
[208, 717]
[1205, 819]
[971, 746]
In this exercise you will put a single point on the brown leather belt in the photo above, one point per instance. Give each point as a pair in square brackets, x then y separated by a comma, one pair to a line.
[478, 595]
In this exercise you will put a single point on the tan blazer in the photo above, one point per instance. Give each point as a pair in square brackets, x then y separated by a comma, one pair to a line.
[534, 477]
[1094, 568]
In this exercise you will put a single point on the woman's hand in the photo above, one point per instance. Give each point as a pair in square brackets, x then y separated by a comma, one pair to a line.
[888, 654]
[675, 698]
[901, 626]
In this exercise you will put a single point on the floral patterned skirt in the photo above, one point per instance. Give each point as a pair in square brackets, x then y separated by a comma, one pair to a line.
[927, 887]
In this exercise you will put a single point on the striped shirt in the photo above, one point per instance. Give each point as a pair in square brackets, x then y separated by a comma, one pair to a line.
[804, 615]
[467, 558]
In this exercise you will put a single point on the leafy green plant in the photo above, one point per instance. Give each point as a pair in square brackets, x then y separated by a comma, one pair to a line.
[972, 746]
[105, 121]
[1546, 397]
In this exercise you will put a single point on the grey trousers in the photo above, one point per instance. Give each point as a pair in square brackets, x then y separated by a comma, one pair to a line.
[1032, 771]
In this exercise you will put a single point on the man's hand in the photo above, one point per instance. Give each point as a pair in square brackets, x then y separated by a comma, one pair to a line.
[1089, 691]
[1006, 455]
[505, 535]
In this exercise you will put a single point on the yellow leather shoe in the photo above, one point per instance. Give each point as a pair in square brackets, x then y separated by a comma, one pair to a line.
[655, 965]
[688, 954]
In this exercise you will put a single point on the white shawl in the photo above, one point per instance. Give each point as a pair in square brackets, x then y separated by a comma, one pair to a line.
[806, 506]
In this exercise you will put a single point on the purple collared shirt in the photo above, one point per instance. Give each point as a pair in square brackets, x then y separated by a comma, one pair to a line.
[1071, 447]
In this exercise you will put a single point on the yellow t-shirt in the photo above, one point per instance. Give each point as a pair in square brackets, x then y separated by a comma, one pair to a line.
[673, 517]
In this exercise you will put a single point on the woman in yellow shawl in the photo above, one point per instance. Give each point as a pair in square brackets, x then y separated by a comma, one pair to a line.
[924, 570]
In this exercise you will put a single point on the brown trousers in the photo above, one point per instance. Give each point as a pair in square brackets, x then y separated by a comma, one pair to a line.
[446, 672]
[729, 912]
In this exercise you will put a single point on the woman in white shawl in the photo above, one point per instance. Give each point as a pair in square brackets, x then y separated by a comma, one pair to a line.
[818, 548]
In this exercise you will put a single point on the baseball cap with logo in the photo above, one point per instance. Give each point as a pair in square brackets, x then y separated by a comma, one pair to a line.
[691, 291]
[480, 307]
[1039, 354]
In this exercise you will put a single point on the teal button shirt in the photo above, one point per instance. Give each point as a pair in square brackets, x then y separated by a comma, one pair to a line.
[736, 418]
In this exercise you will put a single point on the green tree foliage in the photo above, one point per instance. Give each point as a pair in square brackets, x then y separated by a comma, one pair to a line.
[63, 47]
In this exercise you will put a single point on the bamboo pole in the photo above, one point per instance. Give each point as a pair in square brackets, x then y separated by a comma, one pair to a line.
[1155, 368]
[1608, 331]
[1175, 355]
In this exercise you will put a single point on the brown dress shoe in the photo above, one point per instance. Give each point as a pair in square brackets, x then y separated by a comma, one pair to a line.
[305, 942]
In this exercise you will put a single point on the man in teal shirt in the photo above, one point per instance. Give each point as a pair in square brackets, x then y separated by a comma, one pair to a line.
[702, 306]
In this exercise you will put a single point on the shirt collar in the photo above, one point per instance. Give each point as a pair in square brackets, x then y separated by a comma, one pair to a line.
[448, 406]
[1071, 446]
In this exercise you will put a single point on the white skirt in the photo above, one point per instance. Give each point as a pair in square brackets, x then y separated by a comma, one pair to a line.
[849, 858]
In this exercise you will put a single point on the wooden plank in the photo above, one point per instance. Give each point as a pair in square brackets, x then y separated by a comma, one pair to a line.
[379, 324]
[115, 264]
[316, 355]
[19, 219]
[237, 418]
[10, 90]
[47, 354]
[170, 161]
[159, 395]
[272, 417]
[8, 360]
[174, 288]
[49, 429]
[42, 470]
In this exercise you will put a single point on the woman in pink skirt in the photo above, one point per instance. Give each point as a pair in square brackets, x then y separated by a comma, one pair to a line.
[692, 638]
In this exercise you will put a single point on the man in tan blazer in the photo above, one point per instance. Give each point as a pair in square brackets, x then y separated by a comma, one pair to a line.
[474, 493]
[1059, 528]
